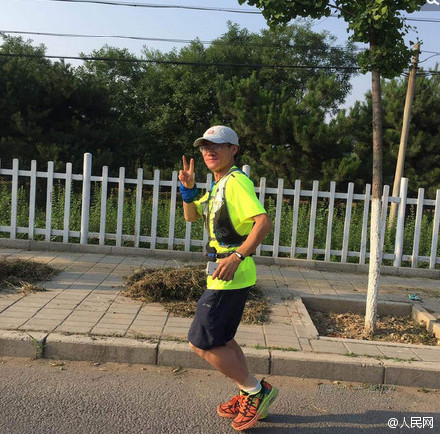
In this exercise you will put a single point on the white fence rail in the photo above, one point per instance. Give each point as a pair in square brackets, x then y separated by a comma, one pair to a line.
[280, 196]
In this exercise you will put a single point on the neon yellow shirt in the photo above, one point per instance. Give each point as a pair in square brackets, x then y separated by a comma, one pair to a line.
[243, 204]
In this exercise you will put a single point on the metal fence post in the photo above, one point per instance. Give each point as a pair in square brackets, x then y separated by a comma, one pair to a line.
[14, 199]
[398, 246]
[85, 207]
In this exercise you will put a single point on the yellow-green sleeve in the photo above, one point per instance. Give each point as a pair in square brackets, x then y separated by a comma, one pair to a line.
[242, 200]
[198, 203]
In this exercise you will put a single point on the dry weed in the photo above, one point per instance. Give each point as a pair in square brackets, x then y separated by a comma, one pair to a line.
[23, 274]
[178, 289]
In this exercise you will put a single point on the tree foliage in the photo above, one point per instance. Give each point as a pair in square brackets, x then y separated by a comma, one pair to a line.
[147, 114]
[422, 162]
[378, 23]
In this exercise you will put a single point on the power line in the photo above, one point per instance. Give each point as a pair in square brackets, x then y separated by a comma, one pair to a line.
[174, 62]
[175, 40]
[205, 8]
[159, 6]
[74, 35]
[144, 38]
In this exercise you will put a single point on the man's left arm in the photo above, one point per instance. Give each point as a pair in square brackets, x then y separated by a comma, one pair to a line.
[228, 266]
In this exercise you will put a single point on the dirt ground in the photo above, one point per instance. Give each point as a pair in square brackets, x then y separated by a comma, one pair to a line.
[389, 328]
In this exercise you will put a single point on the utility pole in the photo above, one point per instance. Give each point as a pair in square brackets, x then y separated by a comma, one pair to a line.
[405, 130]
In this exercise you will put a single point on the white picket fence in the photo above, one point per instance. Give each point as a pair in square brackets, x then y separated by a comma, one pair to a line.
[280, 193]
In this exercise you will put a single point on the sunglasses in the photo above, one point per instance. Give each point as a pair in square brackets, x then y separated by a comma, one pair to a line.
[213, 147]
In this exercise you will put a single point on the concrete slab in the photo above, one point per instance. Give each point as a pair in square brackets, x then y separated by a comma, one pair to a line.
[103, 349]
[283, 342]
[322, 346]
[322, 366]
[428, 354]
[363, 349]
[20, 344]
[305, 344]
[414, 374]
[398, 352]
[11, 323]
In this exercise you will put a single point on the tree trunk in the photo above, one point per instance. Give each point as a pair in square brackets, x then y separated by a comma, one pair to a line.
[375, 235]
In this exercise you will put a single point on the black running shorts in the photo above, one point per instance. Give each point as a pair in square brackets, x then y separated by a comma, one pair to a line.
[217, 317]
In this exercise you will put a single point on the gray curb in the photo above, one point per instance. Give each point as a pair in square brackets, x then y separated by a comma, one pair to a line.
[262, 361]
[327, 366]
[20, 344]
[103, 349]
[198, 257]
[420, 314]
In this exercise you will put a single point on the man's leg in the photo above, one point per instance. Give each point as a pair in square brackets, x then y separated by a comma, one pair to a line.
[238, 351]
[227, 360]
[230, 361]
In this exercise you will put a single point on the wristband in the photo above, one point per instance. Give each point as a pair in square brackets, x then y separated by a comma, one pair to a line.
[239, 255]
[188, 194]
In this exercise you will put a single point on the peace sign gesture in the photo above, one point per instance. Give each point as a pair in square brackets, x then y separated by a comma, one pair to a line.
[186, 176]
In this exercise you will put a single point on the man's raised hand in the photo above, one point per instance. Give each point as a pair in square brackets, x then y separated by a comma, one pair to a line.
[186, 176]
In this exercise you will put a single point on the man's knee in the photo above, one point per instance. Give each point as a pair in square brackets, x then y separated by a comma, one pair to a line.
[197, 350]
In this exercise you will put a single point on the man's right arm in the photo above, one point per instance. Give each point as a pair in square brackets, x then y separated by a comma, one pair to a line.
[190, 212]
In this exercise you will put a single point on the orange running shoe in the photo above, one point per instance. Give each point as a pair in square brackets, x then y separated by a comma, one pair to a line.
[252, 407]
[230, 409]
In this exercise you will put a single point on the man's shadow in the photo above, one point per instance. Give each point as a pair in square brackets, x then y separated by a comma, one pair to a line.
[346, 423]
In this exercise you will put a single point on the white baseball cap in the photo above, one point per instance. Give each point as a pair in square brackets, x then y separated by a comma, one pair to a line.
[218, 134]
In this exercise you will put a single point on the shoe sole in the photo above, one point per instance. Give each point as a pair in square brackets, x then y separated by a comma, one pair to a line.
[263, 410]
[232, 416]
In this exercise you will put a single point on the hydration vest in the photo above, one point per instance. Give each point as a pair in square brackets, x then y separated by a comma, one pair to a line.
[224, 230]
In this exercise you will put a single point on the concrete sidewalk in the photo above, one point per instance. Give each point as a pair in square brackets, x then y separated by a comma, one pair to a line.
[83, 316]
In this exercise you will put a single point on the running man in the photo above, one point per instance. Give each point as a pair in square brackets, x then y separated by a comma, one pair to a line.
[237, 223]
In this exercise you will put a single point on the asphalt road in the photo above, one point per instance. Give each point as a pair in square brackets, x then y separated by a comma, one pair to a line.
[39, 398]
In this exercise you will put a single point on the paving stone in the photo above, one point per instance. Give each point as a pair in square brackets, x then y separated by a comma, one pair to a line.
[145, 329]
[305, 344]
[157, 319]
[322, 346]
[20, 310]
[108, 331]
[111, 259]
[285, 342]
[111, 316]
[278, 330]
[46, 326]
[74, 328]
[175, 331]
[250, 340]
[176, 322]
[398, 352]
[11, 323]
[81, 321]
[155, 315]
[363, 349]
[54, 315]
[428, 354]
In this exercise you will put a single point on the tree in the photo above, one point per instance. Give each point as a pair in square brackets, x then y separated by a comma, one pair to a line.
[280, 113]
[47, 111]
[422, 161]
[379, 24]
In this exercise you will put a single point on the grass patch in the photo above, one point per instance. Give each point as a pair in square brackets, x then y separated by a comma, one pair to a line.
[178, 289]
[264, 347]
[24, 274]
[350, 354]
